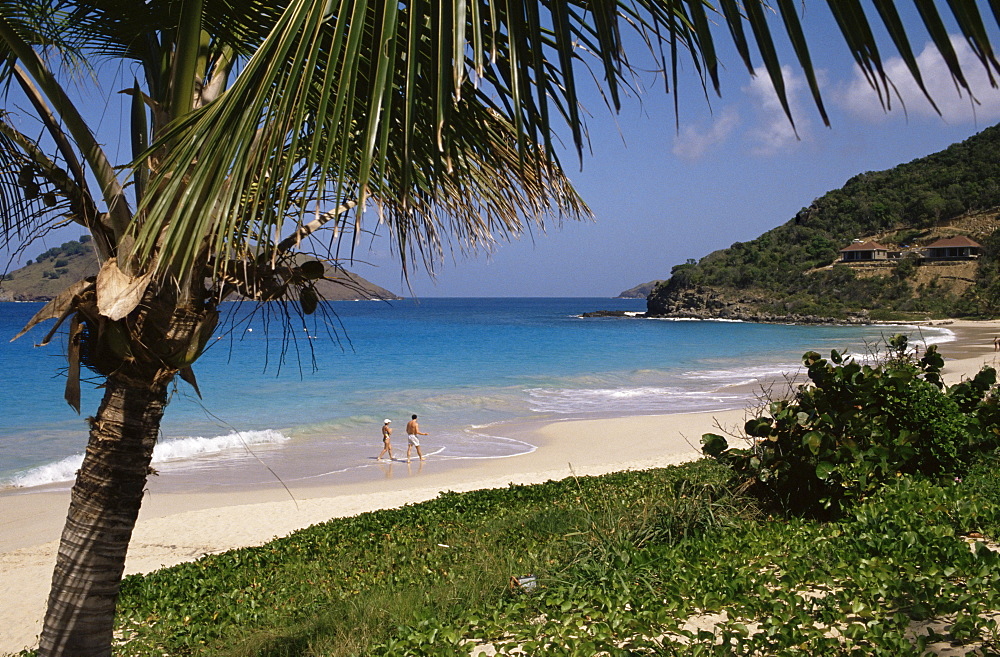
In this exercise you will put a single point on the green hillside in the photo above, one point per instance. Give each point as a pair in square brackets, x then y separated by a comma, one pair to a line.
[791, 271]
[56, 269]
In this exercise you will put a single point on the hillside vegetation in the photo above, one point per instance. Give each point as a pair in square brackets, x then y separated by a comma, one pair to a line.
[54, 270]
[791, 270]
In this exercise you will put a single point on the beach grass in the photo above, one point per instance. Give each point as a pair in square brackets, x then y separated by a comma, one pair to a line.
[659, 562]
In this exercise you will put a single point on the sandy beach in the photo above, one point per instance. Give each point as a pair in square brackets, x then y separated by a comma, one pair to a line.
[175, 527]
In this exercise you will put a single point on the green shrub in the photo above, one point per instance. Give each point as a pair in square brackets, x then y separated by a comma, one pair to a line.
[858, 425]
[905, 268]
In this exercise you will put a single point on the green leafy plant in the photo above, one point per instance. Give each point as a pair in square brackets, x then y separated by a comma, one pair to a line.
[857, 425]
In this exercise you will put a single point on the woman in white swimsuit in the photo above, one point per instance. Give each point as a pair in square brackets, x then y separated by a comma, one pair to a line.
[386, 436]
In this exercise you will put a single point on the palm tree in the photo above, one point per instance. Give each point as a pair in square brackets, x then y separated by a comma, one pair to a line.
[255, 124]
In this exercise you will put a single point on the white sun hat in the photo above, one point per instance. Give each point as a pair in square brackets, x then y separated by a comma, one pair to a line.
[387, 422]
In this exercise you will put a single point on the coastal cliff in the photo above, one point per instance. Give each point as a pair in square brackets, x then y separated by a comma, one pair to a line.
[799, 271]
[703, 302]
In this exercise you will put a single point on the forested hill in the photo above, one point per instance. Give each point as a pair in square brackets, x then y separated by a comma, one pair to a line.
[791, 272]
[56, 269]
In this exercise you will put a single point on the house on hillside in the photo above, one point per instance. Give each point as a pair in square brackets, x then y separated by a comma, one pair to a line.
[864, 252]
[959, 247]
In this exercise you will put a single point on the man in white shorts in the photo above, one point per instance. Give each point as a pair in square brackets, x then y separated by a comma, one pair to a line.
[412, 431]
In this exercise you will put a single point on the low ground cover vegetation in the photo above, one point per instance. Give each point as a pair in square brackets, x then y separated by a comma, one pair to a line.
[883, 549]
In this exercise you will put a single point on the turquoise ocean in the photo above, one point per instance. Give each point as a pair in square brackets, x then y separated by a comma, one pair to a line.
[473, 369]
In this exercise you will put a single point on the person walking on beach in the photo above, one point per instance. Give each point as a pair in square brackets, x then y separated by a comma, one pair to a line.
[412, 431]
[386, 440]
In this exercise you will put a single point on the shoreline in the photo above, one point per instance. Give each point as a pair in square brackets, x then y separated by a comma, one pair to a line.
[178, 527]
[175, 527]
[196, 454]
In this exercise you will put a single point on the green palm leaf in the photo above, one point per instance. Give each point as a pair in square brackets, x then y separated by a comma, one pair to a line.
[353, 100]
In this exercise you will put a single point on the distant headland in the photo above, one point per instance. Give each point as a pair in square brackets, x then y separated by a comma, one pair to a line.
[43, 278]
[916, 242]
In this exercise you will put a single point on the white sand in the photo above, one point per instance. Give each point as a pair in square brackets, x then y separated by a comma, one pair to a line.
[177, 527]
[973, 350]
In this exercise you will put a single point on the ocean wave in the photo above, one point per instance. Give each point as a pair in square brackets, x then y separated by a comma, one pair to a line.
[342, 426]
[743, 375]
[499, 400]
[177, 449]
[918, 337]
[945, 335]
[185, 448]
[918, 334]
[50, 473]
[630, 400]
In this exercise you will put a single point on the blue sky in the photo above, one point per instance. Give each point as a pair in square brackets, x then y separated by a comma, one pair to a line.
[733, 169]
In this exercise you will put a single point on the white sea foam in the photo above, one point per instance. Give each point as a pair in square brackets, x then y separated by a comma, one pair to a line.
[943, 336]
[632, 400]
[743, 375]
[921, 335]
[62, 470]
[184, 448]
[480, 446]
[918, 337]
[168, 451]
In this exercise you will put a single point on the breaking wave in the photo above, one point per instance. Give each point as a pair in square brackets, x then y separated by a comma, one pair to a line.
[169, 450]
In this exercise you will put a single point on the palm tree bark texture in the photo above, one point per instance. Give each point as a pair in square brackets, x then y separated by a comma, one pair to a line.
[103, 510]
[163, 336]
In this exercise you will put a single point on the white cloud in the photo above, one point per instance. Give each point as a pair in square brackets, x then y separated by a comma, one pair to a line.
[861, 100]
[768, 130]
[691, 143]
[774, 133]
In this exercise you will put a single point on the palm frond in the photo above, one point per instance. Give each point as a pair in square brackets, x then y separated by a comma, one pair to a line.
[71, 122]
[34, 191]
[354, 86]
[359, 99]
[42, 26]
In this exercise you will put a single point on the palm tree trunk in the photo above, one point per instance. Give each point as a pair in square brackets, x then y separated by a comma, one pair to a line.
[102, 514]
